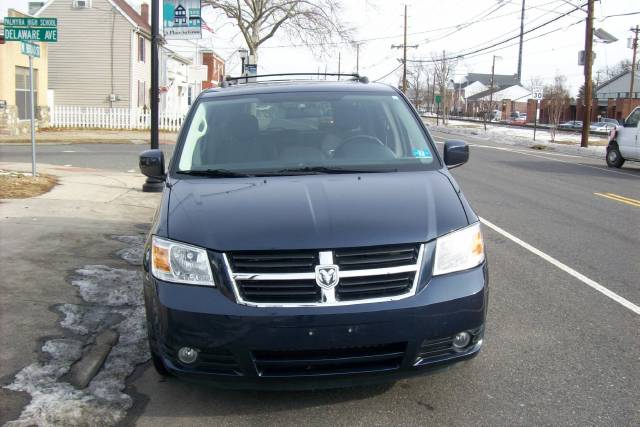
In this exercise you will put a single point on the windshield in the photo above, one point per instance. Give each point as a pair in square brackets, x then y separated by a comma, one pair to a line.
[304, 132]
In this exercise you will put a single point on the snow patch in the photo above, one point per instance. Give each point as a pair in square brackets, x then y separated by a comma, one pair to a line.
[133, 253]
[524, 137]
[113, 298]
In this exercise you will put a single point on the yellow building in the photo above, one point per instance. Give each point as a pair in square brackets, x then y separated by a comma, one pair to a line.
[14, 86]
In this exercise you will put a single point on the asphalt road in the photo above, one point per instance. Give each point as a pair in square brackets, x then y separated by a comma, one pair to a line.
[562, 344]
[120, 157]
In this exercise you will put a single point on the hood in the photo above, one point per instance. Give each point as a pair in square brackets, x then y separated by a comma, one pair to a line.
[313, 211]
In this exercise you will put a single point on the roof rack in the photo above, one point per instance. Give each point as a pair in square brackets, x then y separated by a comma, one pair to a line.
[245, 79]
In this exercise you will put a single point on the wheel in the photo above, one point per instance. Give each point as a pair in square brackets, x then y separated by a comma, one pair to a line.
[614, 158]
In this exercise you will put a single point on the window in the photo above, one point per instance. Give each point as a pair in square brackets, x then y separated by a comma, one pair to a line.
[634, 119]
[281, 133]
[141, 49]
[81, 4]
[141, 93]
[22, 92]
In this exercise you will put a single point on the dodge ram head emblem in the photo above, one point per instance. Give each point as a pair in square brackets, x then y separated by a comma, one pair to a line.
[327, 276]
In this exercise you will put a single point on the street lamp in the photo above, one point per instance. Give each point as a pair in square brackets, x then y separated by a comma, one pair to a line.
[244, 55]
[154, 185]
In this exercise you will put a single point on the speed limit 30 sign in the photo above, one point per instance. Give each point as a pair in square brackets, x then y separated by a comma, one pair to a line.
[536, 93]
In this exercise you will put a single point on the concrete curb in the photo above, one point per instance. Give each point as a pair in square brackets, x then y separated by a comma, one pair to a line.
[83, 371]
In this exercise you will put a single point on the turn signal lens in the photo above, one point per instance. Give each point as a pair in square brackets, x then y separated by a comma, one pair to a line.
[180, 263]
[460, 250]
[160, 257]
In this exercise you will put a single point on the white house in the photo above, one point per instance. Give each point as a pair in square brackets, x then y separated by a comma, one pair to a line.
[174, 82]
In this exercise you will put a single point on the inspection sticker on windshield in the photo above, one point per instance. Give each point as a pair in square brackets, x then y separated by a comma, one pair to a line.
[423, 154]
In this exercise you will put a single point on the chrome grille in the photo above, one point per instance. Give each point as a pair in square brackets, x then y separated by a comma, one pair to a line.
[273, 261]
[352, 288]
[376, 257]
[279, 290]
[288, 278]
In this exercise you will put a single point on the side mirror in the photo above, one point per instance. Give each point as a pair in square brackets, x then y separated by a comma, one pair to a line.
[152, 164]
[622, 122]
[456, 153]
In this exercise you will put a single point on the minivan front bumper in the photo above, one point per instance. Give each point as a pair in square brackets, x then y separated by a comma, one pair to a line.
[315, 347]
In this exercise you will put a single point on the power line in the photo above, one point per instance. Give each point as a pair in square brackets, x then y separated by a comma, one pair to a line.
[433, 30]
[389, 73]
[513, 29]
[464, 54]
[479, 18]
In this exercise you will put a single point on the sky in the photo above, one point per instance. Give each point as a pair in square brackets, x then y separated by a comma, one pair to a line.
[436, 25]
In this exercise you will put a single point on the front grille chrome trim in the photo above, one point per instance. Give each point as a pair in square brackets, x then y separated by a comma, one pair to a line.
[312, 276]
[326, 302]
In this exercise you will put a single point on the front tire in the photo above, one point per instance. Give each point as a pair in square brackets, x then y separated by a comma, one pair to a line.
[614, 158]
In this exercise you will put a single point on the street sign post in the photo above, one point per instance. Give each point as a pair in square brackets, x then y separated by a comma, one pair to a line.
[438, 101]
[30, 49]
[537, 94]
[27, 30]
[31, 29]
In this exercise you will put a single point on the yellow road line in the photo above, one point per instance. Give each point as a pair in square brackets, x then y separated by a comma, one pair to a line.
[628, 199]
[621, 199]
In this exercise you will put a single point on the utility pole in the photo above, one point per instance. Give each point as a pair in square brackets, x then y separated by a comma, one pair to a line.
[634, 46]
[358, 58]
[339, 59]
[404, 54]
[588, 62]
[493, 68]
[521, 41]
[152, 184]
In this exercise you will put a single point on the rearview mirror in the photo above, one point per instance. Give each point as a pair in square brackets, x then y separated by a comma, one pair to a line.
[456, 153]
[152, 164]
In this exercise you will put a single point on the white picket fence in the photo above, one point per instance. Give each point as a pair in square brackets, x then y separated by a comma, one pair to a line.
[71, 116]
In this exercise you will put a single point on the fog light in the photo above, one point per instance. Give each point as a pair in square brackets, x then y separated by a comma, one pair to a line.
[461, 340]
[187, 355]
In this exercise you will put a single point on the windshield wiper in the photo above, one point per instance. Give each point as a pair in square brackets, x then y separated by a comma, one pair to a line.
[221, 173]
[326, 170]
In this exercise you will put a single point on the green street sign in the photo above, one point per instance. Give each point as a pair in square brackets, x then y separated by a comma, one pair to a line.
[30, 29]
[438, 99]
[30, 49]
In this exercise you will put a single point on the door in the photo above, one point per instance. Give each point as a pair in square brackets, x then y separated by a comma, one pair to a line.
[628, 138]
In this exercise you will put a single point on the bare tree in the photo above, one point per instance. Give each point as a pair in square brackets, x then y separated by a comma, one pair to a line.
[444, 67]
[418, 81]
[556, 97]
[314, 23]
[535, 81]
[616, 69]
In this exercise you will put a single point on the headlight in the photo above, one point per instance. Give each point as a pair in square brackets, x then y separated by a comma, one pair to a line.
[180, 263]
[460, 250]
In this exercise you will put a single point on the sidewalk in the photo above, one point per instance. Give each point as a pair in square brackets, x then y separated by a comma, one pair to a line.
[565, 143]
[88, 136]
[52, 246]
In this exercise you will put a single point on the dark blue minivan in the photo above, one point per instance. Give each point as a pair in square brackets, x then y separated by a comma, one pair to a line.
[309, 236]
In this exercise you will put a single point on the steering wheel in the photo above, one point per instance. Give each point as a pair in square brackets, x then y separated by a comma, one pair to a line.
[363, 147]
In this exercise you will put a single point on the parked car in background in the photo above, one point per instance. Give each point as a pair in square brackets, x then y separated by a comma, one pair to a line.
[612, 121]
[624, 141]
[602, 127]
[517, 118]
[573, 124]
